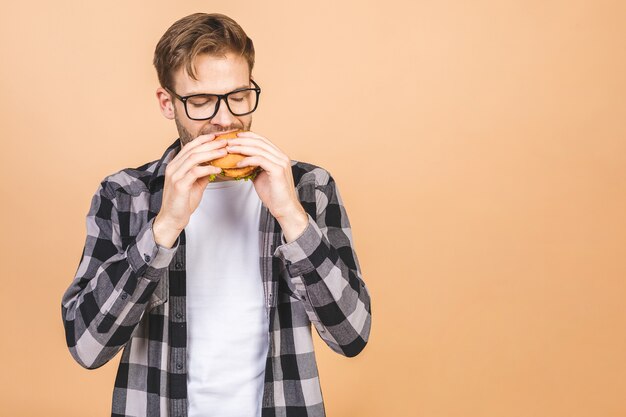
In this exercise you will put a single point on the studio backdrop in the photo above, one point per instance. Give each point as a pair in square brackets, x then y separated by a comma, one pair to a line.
[480, 150]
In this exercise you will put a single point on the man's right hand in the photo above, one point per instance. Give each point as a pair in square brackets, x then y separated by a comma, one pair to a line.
[185, 182]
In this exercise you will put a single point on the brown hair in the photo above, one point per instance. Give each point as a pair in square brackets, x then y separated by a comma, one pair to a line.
[199, 33]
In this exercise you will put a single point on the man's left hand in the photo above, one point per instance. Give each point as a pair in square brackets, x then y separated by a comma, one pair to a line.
[274, 184]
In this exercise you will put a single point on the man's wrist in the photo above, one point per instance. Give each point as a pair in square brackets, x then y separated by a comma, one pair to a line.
[293, 223]
[163, 235]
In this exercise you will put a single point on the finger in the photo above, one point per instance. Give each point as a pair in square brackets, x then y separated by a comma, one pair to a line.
[195, 159]
[204, 147]
[254, 151]
[196, 172]
[278, 154]
[197, 141]
[267, 165]
[187, 148]
[200, 157]
[262, 138]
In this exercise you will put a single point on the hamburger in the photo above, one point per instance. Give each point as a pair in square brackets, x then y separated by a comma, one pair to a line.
[228, 163]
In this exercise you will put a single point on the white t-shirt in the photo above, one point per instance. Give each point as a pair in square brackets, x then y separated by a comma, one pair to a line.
[227, 333]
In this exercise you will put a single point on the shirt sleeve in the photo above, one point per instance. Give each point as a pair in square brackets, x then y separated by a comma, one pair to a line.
[112, 286]
[324, 270]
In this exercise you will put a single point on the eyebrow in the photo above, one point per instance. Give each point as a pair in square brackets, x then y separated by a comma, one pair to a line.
[202, 92]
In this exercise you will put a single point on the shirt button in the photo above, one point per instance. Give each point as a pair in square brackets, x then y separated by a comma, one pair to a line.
[179, 265]
[124, 295]
[147, 258]
[179, 315]
[179, 366]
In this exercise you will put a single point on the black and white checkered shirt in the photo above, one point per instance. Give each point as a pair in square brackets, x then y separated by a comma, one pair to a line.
[128, 292]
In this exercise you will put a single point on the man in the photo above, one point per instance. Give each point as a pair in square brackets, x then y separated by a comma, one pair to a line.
[211, 286]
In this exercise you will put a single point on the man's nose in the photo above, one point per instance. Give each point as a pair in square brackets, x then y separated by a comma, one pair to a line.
[223, 116]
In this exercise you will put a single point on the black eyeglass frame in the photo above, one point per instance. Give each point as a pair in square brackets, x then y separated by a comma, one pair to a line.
[220, 97]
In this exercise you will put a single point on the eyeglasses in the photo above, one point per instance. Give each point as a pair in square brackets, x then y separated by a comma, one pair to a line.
[205, 106]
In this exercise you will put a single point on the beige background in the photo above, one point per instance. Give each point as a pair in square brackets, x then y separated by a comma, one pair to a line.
[480, 147]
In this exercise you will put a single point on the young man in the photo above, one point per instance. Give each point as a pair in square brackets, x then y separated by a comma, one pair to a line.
[211, 286]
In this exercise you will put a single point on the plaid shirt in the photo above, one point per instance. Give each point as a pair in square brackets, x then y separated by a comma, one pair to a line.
[129, 292]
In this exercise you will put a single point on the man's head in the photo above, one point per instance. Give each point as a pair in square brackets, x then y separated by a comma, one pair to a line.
[203, 53]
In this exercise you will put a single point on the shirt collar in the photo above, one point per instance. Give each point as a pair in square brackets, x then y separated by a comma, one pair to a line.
[159, 170]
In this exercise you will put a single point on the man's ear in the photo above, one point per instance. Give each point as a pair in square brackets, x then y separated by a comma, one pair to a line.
[165, 103]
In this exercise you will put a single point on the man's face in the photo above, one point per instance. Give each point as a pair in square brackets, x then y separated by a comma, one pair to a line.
[217, 75]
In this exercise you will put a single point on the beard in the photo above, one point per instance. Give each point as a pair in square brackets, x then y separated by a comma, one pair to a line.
[186, 136]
